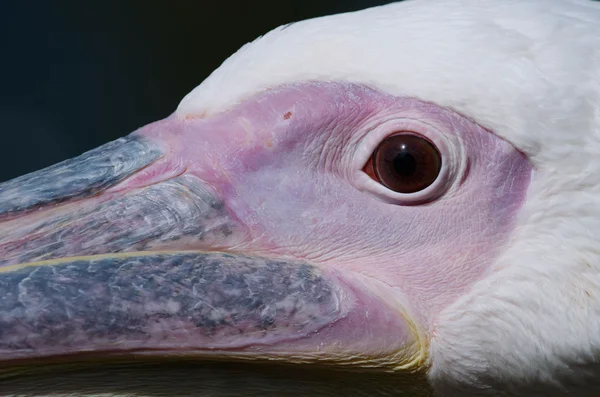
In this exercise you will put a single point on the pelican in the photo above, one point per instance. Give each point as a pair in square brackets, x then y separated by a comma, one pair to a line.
[400, 201]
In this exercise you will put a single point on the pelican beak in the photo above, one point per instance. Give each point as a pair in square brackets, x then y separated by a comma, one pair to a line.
[120, 253]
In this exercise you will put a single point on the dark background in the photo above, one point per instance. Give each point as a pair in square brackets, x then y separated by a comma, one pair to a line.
[75, 74]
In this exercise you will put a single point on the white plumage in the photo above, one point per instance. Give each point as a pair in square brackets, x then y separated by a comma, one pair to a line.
[529, 70]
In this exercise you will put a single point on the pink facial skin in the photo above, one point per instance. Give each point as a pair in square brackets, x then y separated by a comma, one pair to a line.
[288, 165]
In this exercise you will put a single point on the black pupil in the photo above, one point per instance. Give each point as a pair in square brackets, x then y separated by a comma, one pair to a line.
[405, 164]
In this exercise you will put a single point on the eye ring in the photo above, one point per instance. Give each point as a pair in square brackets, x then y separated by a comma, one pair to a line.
[448, 146]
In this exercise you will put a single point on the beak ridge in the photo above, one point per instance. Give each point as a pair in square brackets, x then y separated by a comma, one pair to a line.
[78, 177]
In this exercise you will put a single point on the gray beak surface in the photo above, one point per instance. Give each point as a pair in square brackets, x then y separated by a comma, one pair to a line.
[95, 268]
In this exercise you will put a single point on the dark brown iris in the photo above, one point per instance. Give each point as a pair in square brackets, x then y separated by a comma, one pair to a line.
[405, 163]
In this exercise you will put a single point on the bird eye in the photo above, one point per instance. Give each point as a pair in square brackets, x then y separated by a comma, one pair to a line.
[405, 163]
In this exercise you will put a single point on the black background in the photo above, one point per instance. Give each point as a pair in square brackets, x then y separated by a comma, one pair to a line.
[75, 74]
